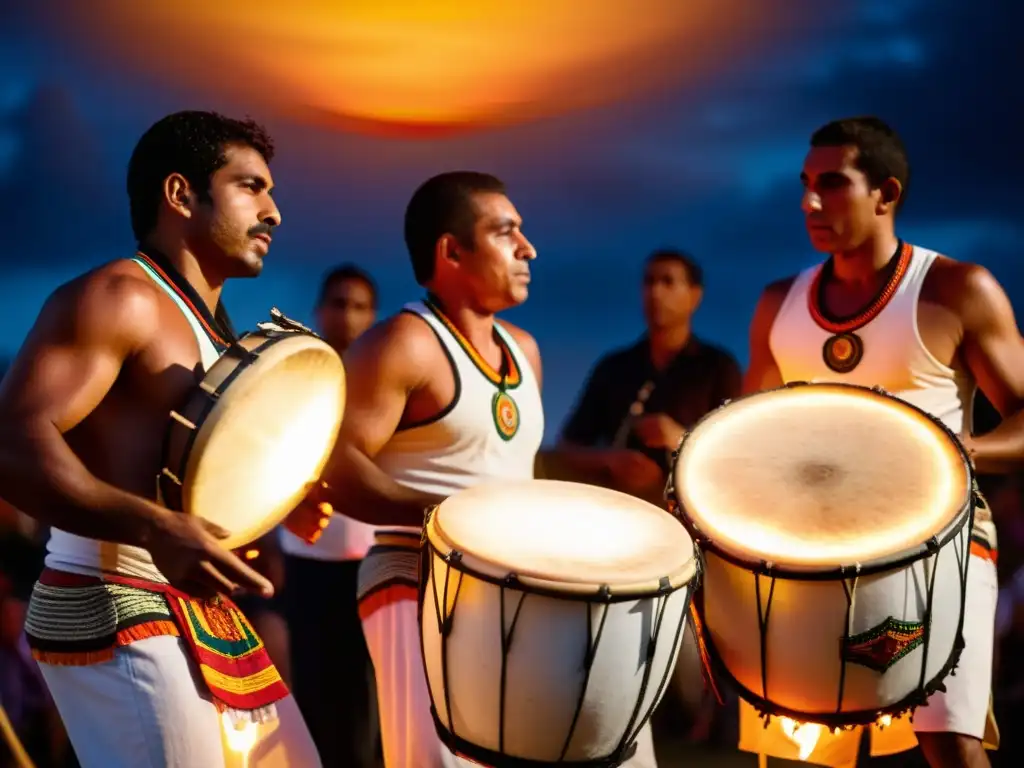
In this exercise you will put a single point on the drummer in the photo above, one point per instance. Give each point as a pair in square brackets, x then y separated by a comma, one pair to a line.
[883, 312]
[83, 412]
[441, 396]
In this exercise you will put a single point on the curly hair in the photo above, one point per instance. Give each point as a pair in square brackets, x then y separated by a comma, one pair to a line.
[191, 143]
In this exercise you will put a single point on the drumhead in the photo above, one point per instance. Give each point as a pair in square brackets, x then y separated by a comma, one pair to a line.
[566, 536]
[819, 476]
[267, 438]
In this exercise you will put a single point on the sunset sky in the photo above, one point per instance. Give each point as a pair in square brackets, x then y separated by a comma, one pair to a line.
[615, 134]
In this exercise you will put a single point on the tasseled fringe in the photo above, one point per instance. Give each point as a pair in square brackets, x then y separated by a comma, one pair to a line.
[159, 628]
[73, 658]
[238, 717]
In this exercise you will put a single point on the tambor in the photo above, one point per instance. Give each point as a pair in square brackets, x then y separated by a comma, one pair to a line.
[834, 522]
[254, 436]
[551, 617]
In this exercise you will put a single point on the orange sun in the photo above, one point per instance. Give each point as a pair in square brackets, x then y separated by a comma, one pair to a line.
[417, 66]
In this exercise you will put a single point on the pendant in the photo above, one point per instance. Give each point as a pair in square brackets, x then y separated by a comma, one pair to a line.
[506, 415]
[843, 352]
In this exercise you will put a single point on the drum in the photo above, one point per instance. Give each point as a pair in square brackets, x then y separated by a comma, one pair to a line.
[551, 616]
[834, 523]
[255, 434]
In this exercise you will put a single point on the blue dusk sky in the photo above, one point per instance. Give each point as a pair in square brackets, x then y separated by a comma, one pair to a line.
[707, 162]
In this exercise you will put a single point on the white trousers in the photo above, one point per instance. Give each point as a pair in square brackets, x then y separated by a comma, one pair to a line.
[407, 728]
[149, 708]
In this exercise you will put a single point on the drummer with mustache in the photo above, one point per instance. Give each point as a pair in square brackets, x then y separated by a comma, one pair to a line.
[129, 585]
[441, 396]
[926, 328]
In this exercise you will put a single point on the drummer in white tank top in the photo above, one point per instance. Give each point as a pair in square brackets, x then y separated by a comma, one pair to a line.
[442, 396]
[927, 329]
[421, 423]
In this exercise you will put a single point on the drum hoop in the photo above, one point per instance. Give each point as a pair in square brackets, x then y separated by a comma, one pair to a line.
[702, 540]
[843, 720]
[591, 592]
[244, 359]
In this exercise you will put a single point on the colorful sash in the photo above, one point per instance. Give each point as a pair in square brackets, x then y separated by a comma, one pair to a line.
[118, 610]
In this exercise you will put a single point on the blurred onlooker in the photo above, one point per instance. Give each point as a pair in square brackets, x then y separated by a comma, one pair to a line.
[639, 401]
[332, 673]
[635, 408]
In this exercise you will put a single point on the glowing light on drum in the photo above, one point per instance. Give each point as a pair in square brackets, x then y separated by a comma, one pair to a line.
[254, 437]
[834, 521]
[804, 735]
[552, 615]
[240, 735]
[565, 532]
[818, 478]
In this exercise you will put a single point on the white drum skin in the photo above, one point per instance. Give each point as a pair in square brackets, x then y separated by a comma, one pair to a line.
[545, 653]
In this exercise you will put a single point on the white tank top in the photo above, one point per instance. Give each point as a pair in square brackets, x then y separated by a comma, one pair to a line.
[77, 554]
[894, 358]
[467, 444]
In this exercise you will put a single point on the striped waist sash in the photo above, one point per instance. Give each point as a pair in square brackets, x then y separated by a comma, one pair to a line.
[77, 620]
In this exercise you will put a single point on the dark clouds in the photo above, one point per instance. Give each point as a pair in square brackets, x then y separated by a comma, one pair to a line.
[711, 168]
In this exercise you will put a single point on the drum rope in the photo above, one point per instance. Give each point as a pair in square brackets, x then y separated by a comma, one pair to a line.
[676, 643]
[629, 736]
[445, 622]
[506, 643]
[850, 590]
[763, 616]
[935, 551]
[588, 664]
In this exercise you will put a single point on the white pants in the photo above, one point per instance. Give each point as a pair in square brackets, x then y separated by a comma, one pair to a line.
[964, 706]
[407, 728]
[149, 708]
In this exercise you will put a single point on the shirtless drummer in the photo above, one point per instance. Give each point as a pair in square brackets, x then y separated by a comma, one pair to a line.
[83, 413]
[926, 328]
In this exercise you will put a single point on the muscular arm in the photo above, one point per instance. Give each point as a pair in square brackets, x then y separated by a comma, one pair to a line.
[69, 362]
[993, 350]
[763, 373]
[385, 366]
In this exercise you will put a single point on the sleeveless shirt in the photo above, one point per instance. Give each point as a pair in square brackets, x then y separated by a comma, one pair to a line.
[894, 355]
[463, 445]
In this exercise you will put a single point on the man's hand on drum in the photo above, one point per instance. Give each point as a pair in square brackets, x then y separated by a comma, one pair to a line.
[309, 519]
[656, 430]
[188, 552]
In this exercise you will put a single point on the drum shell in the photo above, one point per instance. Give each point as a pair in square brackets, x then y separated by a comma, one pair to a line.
[807, 624]
[546, 663]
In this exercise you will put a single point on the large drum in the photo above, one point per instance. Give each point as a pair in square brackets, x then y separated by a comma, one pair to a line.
[254, 436]
[834, 523]
[551, 617]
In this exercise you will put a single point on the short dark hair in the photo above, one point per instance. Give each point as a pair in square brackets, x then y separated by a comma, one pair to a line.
[443, 205]
[693, 270]
[343, 274]
[191, 143]
[880, 151]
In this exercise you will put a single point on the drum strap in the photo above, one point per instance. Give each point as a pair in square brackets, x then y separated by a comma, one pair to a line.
[217, 325]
